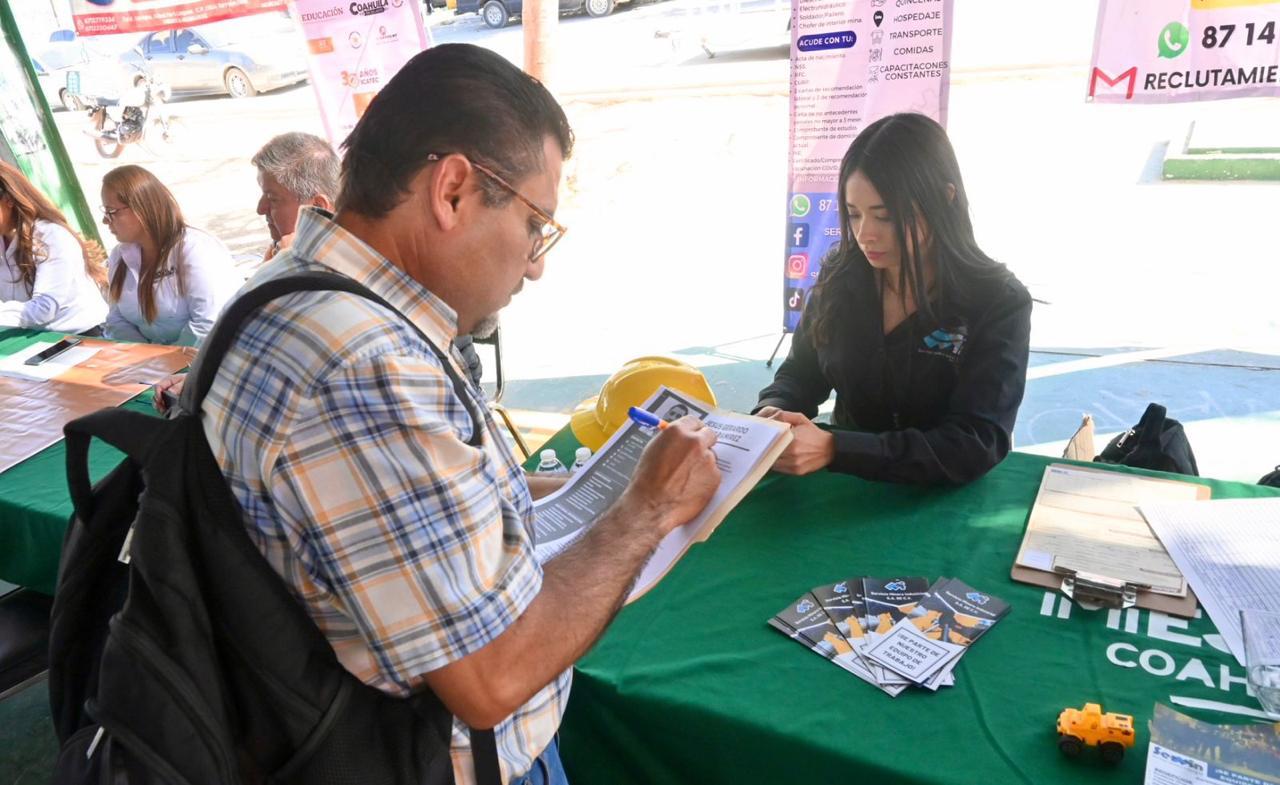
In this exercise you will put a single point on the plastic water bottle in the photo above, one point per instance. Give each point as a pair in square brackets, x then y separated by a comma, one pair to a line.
[548, 463]
[580, 457]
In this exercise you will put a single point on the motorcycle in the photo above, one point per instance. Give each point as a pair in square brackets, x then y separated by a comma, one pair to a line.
[138, 116]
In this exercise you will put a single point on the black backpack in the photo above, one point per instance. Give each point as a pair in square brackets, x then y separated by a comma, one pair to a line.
[193, 662]
[1156, 442]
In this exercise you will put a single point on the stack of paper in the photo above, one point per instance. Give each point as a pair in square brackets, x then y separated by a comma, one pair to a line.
[1230, 552]
[892, 632]
[15, 364]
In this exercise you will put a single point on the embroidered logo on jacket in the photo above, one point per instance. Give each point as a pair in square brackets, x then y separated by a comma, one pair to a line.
[946, 342]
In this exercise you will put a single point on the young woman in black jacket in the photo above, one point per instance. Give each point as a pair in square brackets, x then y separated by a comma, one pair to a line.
[923, 336]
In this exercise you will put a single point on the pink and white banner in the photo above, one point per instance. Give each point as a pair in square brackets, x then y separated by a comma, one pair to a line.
[1161, 51]
[852, 62]
[108, 17]
[353, 49]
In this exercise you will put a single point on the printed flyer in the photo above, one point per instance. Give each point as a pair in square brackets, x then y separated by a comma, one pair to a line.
[1186, 751]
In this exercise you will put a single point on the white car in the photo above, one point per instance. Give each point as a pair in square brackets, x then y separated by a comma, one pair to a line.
[68, 71]
[52, 67]
[238, 57]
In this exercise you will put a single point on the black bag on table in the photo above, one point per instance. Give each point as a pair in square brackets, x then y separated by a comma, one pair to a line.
[1271, 478]
[193, 662]
[1157, 442]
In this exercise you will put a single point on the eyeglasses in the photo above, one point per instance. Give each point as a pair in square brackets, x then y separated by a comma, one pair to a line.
[549, 233]
[109, 213]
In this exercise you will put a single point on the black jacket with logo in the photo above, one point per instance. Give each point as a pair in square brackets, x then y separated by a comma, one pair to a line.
[932, 402]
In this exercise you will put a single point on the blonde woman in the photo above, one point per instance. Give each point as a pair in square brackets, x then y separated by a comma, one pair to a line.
[168, 281]
[51, 278]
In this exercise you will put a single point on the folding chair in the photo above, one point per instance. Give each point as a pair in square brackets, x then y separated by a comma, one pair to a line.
[495, 399]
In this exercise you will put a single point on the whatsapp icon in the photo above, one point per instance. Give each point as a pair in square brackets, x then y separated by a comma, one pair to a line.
[799, 206]
[1173, 40]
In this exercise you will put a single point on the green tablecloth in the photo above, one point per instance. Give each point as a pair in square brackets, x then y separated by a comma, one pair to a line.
[689, 685]
[34, 502]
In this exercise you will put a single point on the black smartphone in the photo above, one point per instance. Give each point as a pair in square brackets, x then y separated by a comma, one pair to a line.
[53, 351]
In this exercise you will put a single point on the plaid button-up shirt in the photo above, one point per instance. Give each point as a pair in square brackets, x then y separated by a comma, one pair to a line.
[342, 438]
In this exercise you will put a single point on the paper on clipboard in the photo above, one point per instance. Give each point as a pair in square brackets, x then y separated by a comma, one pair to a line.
[746, 447]
[1086, 520]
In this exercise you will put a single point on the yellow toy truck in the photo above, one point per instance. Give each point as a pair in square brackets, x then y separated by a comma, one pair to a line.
[1111, 733]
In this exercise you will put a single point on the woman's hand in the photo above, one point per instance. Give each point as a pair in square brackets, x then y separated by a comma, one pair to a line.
[811, 447]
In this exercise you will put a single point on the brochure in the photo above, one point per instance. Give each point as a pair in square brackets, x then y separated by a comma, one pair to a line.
[1186, 751]
[892, 632]
[805, 622]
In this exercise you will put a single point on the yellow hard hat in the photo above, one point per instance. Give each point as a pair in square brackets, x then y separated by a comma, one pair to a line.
[631, 386]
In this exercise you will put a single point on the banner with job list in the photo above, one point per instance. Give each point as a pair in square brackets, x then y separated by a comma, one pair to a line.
[852, 62]
[1162, 51]
[353, 49]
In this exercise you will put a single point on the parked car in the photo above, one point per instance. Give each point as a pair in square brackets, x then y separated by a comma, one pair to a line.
[239, 57]
[496, 13]
[69, 70]
[53, 83]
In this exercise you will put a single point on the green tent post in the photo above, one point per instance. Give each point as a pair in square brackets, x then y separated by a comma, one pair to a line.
[53, 172]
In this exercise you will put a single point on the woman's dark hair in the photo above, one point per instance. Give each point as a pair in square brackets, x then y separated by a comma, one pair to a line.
[453, 98]
[911, 163]
[161, 218]
[29, 206]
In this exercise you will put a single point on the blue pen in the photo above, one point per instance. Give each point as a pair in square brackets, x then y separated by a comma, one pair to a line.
[647, 419]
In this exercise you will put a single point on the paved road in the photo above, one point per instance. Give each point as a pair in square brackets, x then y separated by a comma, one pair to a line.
[651, 43]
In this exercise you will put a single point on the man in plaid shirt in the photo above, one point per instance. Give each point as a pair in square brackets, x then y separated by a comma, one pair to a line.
[390, 504]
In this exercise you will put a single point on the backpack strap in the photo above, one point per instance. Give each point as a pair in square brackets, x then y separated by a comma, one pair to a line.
[224, 332]
[133, 433]
[484, 750]
[1151, 426]
[484, 756]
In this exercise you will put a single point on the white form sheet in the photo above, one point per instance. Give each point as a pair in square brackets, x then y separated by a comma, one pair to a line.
[1229, 552]
[15, 364]
[745, 448]
[1086, 520]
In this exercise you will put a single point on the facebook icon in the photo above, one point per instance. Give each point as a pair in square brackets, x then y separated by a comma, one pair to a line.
[798, 235]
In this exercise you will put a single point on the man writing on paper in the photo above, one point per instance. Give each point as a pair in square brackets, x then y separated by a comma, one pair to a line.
[348, 442]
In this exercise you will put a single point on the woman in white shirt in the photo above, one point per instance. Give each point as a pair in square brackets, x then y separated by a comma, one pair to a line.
[51, 278]
[168, 281]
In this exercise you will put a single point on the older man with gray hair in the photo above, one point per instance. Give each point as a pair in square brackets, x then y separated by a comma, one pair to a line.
[294, 170]
[297, 170]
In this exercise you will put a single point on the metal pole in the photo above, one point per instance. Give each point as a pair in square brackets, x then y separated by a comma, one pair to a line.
[540, 19]
[58, 15]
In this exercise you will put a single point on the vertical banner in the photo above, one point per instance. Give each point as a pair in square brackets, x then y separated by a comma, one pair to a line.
[29, 139]
[353, 49]
[108, 17]
[1162, 51]
[852, 62]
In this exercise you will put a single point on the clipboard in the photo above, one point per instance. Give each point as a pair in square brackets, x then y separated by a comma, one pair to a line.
[1093, 588]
